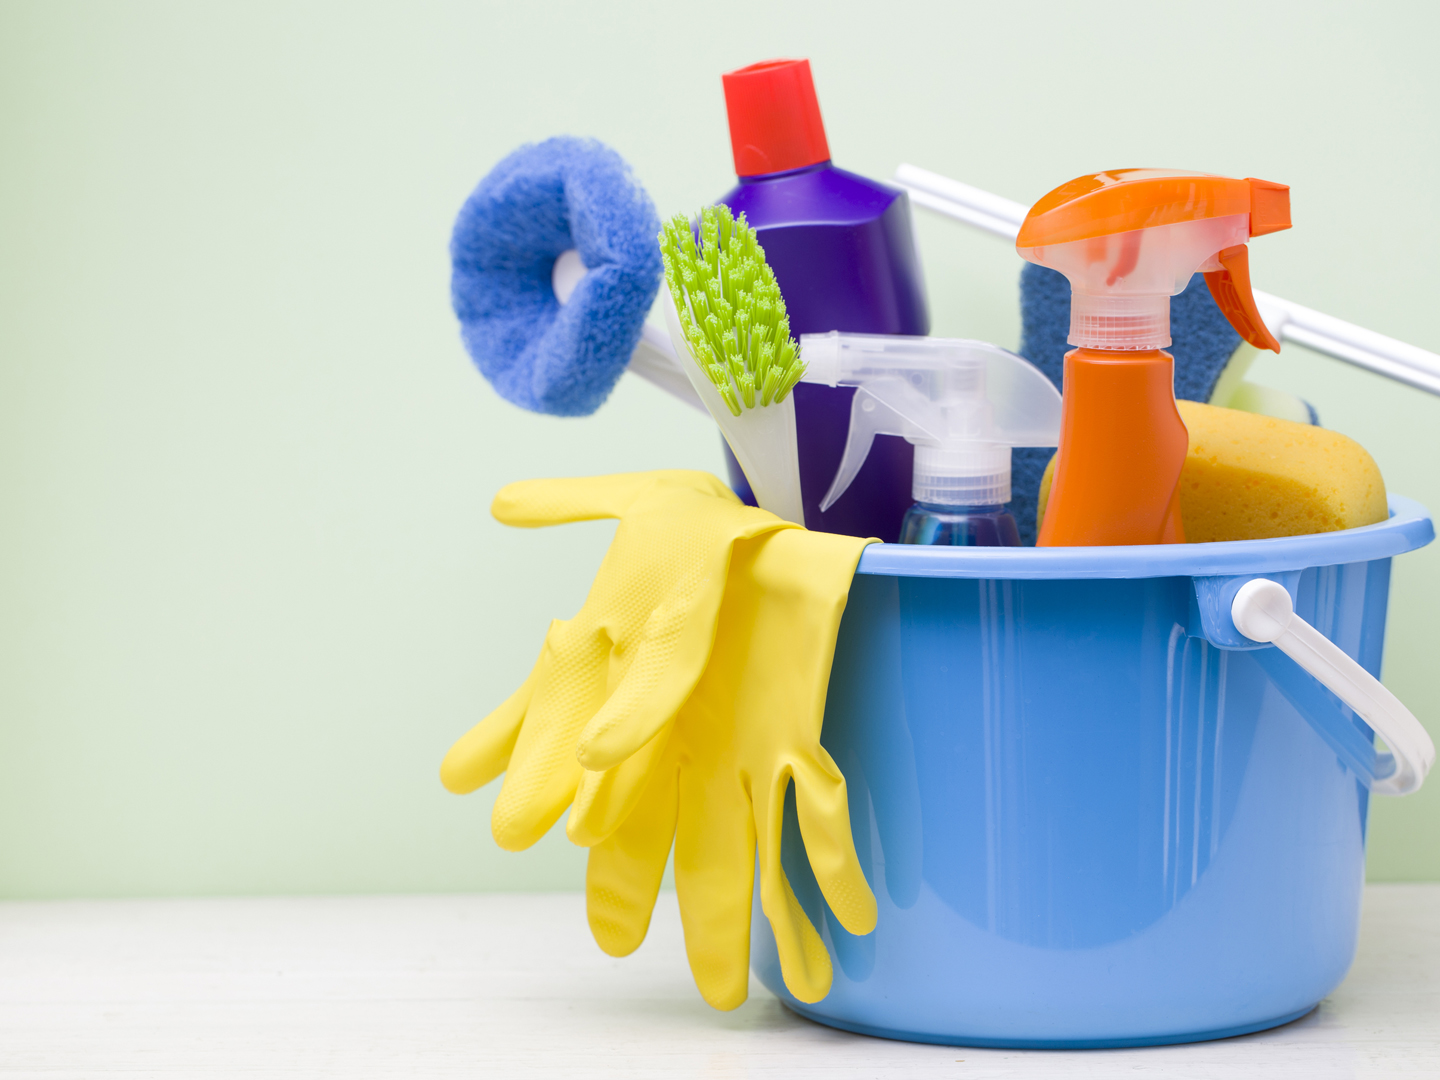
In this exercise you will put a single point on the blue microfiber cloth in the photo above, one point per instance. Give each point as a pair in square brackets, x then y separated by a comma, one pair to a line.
[542, 200]
[1203, 342]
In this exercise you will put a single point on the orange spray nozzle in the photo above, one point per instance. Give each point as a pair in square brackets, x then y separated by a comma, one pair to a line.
[1130, 239]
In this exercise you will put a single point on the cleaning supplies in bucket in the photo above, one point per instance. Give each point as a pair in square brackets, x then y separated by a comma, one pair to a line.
[962, 404]
[1249, 477]
[1128, 240]
[682, 702]
[727, 318]
[843, 250]
[1061, 849]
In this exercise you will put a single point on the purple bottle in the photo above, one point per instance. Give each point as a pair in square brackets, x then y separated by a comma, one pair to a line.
[844, 255]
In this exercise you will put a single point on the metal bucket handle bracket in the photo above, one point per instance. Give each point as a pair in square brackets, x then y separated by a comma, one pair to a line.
[1253, 612]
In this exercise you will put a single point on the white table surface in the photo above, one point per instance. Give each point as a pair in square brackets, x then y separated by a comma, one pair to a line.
[511, 985]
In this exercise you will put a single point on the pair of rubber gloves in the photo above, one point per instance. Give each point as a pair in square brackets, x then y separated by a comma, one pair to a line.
[679, 705]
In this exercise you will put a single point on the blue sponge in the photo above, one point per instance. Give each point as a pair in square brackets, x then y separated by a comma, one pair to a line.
[1203, 343]
[542, 200]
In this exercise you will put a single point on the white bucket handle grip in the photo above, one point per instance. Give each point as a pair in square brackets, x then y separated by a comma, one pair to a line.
[1263, 611]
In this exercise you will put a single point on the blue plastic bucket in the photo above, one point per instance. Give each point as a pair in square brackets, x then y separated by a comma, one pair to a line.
[1093, 814]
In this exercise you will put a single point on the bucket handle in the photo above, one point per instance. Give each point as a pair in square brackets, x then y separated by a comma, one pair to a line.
[1263, 611]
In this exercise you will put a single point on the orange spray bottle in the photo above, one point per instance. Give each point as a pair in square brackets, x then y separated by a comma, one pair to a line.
[1129, 240]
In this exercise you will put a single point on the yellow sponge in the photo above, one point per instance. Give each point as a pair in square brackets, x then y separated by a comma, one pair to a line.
[1247, 477]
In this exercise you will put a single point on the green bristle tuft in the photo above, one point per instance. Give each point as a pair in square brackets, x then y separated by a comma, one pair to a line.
[727, 393]
[714, 334]
[732, 356]
[746, 382]
[682, 240]
[791, 377]
[726, 222]
[741, 280]
[725, 274]
[704, 355]
[768, 385]
[732, 313]
[742, 324]
[764, 361]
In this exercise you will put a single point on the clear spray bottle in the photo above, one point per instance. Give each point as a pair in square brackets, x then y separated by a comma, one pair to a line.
[963, 404]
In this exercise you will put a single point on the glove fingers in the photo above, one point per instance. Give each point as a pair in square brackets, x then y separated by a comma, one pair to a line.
[666, 666]
[824, 812]
[715, 881]
[483, 752]
[543, 772]
[622, 876]
[804, 963]
[605, 800]
[674, 650]
[534, 503]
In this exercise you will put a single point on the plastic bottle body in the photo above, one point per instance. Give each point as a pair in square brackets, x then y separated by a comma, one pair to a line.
[1122, 446]
[959, 526]
[844, 255]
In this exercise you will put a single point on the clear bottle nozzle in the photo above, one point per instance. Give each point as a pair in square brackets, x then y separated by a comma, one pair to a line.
[964, 404]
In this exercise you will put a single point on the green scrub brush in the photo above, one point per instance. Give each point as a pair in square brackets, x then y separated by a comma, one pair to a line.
[725, 313]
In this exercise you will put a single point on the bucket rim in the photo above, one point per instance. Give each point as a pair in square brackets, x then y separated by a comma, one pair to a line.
[1409, 527]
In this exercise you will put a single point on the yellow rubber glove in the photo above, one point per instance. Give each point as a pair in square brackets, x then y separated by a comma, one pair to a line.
[715, 782]
[633, 653]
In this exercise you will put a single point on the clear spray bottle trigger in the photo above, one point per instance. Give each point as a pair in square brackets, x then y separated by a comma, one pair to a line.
[963, 404]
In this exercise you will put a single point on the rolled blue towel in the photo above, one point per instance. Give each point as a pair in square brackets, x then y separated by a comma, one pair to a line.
[542, 200]
[1203, 342]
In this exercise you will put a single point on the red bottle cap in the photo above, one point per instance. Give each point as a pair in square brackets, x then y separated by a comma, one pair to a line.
[775, 123]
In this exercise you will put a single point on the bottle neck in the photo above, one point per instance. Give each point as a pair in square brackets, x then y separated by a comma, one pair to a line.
[757, 178]
[1119, 323]
[972, 511]
[1120, 356]
[961, 474]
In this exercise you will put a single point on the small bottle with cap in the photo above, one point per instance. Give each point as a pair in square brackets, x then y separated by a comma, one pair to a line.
[960, 498]
[962, 404]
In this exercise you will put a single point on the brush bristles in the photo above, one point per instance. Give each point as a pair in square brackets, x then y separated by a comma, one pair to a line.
[731, 311]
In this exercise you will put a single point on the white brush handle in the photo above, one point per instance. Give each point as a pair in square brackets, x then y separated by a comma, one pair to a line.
[653, 359]
[762, 439]
[1263, 612]
[1288, 321]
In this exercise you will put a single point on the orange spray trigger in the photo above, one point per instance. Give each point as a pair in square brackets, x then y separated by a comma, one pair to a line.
[1230, 286]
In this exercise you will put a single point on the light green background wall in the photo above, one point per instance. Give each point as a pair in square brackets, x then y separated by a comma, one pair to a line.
[250, 591]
